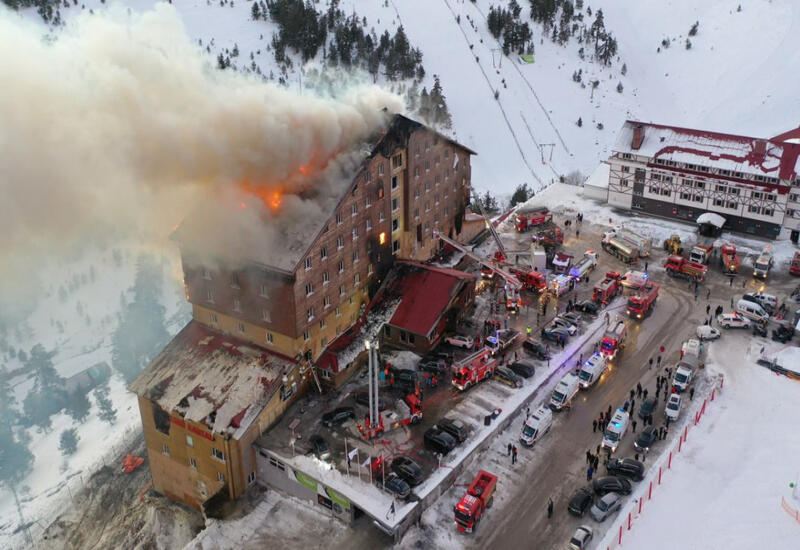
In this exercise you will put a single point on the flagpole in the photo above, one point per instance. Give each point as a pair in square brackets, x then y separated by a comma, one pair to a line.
[347, 456]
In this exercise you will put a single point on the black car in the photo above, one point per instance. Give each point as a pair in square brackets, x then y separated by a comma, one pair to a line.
[408, 470]
[439, 441]
[648, 407]
[526, 370]
[580, 501]
[455, 428]
[645, 440]
[362, 398]
[760, 329]
[338, 416]
[782, 334]
[535, 348]
[507, 377]
[319, 447]
[626, 467]
[394, 485]
[611, 484]
[587, 306]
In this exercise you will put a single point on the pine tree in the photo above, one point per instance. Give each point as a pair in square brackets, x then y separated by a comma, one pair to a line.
[425, 110]
[68, 442]
[693, 30]
[521, 194]
[441, 115]
[580, 122]
[107, 411]
[77, 406]
[619, 87]
[688, 44]
[255, 12]
[624, 69]
[48, 395]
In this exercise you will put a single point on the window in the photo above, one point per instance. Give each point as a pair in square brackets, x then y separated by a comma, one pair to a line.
[355, 233]
[368, 176]
[381, 216]
[189, 441]
[653, 189]
[437, 179]
[395, 224]
[306, 336]
[338, 311]
[214, 318]
[356, 279]
[270, 338]
[354, 209]
[265, 315]
[310, 313]
[794, 197]
[427, 166]
[395, 204]
[325, 278]
[395, 247]
[402, 336]
[237, 304]
[251, 477]
[355, 256]
[368, 202]
[427, 206]
[341, 266]
[626, 169]
[326, 302]
[217, 454]
[667, 179]
[719, 188]
[370, 269]
[655, 177]
[264, 291]
[220, 477]
[309, 289]
[698, 198]
[325, 229]
[339, 242]
[368, 224]
[753, 209]
[685, 196]
[240, 326]
[767, 211]
[627, 156]
[756, 195]
[322, 325]
[447, 173]
[387, 331]
[341, 290]
[719, 202]
[416, 171]
[416, 213]
[210, 295]
[206, 274]
[382, 238]
[427, 186]
[623, 183]
[436, 198]
[323, 252]
[733, 191]
[731, 205]
[397, 161]
[308, 264]
[235, 279]
[192, 463]
[770, 197]
[338, 218]
[666, 192]
[380, 191]
[699, 184]
[380, 169]
[724, 172]
[394, 182]
[410, 338]
[165, 449]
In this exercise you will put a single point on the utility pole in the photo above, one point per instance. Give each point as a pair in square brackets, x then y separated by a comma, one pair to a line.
[500, 58]
[541, 150]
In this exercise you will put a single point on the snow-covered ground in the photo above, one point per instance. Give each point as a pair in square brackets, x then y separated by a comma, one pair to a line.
[724, 489]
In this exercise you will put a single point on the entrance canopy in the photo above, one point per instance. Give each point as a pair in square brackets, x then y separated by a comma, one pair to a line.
[710, 218]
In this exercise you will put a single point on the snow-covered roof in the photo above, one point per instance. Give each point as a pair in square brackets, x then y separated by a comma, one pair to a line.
[748, 155]
[599, 177]
[213, 379]
[710, 217]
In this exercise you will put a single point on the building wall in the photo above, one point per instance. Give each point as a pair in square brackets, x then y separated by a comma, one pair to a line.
[397, 337]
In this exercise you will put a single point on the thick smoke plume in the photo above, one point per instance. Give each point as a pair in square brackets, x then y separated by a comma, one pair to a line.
[121, 121]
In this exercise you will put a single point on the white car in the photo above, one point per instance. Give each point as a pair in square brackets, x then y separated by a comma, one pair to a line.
[460, 341]
[706, 332]
[733, 320]
[580, 540]
[682, 378]
[565, 324]
[673, 408]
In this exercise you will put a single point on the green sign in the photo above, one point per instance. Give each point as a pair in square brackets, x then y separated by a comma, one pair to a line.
[526, 58]
[339, 499]
[305, 480]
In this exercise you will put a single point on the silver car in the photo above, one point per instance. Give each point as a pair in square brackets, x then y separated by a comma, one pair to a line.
[606, 506]
[580, 540]
[565, 324]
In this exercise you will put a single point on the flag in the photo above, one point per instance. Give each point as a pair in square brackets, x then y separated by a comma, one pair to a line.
[352, 454]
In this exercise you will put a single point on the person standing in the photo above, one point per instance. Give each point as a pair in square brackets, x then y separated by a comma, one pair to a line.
[589, 472]
[633, 424]
[594, 425]
[708, 309]
[549, 508]
[527, 412]
[691, 394]
[632, 394]
[509, 449]
[514, 455]
[708, 294]
[588, 457]
[645, 267]
[658, 364]
[638, 389]
[608, 413]
[651, 363]
[731, 281]
[644, 393]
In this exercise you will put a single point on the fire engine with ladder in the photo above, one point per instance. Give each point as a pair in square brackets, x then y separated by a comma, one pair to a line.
[607, 289]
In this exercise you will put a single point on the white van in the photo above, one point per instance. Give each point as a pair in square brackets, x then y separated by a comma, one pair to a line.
[682, 378]
[616, 429]
[767, 301]
[752, 310]
[537, 424]
[592, 369]
[564, 391]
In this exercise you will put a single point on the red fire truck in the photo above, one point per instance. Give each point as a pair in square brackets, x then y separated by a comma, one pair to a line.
[614, 338]
[473, 368]
[729, 259]
[472, 506]
[678, 266]
[608, 288]
[641, 303]
[532, 280]
[794, 267]
[531, 217]
[406, 411]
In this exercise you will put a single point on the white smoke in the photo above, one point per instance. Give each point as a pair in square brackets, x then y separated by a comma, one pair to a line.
[120, 121]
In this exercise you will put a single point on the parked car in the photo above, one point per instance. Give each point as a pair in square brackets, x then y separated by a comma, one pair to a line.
[566, 324]
[394, 484]
[362, 398]
[454, 428]
[535, 348]
[319, 447]
[588, 306]
[673, 408]
[645, 440]
[760, 329]
[338, 416]
[439, 441]
[460, 341]
[611, 484]
[523, 369]
[626, 467]
[782, 334]
[648, 406]
[573, 317]
[580, 501]
[403, 375]
[733, 320]
[408, 470]
[555, 333]
[767, 301]
[605, 506]
[433, 366]
[507, 377]
[706, 332]
[580, 540]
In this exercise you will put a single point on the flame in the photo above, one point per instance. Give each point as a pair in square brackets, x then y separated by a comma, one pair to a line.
[271, 198]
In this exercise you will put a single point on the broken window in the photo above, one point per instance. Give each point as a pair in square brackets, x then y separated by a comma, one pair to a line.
[161, 419]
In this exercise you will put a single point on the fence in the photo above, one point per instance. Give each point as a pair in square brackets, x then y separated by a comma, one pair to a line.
[633, 511]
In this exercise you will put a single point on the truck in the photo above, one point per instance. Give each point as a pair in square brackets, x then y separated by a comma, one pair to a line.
[642, 244]
[641, 303]
[621, 249]
[551, 237]
[561, 262]
[614, 338]
[583, 267]
[473, 505]
[678, 266]
[501, 340]
[608, 288]
[406, 411]
[592, 369]
[560, 284]
[531, 280]
[472, 369]
[701, 254]
[528, 218]
[634, 279]
[673, 245]
[729, 259]
[616, 429]
[512, 298]
[794, 267]
[763, 263]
